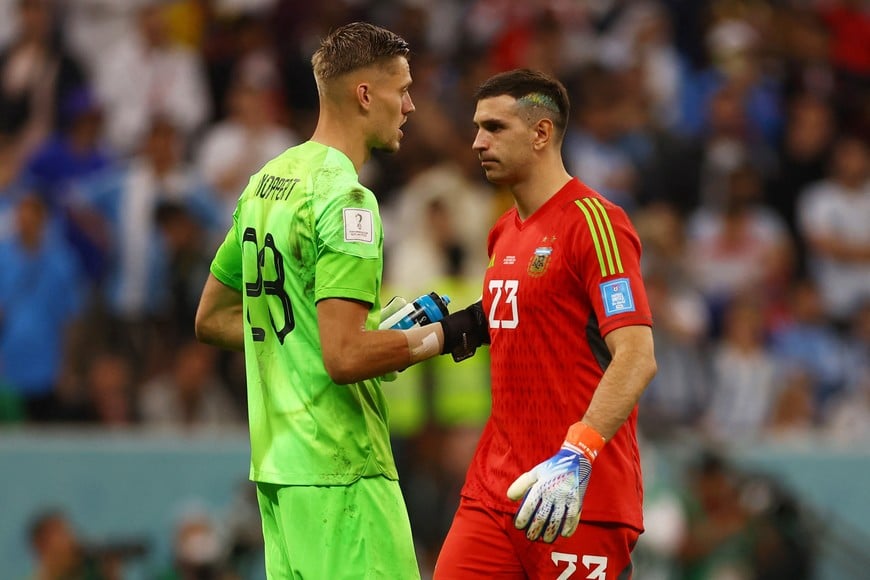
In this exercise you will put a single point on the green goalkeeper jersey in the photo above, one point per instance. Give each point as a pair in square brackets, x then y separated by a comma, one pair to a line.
[305, 229]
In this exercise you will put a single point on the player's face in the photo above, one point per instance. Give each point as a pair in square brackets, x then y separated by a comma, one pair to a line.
[504, 140]
[391, 104]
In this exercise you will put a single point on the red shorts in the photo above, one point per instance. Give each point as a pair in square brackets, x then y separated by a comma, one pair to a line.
[483, 543]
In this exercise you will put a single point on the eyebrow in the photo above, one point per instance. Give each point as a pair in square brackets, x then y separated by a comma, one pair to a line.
[489, 122]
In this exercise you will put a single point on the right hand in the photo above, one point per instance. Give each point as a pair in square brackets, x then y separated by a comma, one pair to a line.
[464, 331]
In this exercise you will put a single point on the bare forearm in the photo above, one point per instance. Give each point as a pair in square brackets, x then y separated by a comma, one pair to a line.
[377, 352]
[625, 380]
[225, 329]
[219, 317]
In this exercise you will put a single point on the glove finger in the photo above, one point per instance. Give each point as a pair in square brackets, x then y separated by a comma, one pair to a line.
[574, 507]
[521, 485]
[554, 524]
[542, 516]
[528, 509]
[570, 525]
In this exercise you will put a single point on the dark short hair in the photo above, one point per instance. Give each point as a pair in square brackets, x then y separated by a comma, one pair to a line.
[532, 88]
[354, 46]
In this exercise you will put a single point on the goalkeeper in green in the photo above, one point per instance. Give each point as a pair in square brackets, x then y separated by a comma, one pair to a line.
[296, 285]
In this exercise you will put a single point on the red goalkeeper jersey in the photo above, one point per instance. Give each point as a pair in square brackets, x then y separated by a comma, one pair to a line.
[557, 283]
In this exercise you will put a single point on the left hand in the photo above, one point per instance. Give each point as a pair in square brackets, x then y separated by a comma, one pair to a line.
[554, 489]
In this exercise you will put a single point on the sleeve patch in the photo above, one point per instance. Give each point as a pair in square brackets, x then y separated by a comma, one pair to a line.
[617, 296]
[358, 225]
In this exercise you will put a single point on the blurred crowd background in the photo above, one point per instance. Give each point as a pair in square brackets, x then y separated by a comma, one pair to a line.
[734, 132]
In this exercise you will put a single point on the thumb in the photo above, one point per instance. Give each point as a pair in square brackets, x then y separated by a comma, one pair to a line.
[521, 485]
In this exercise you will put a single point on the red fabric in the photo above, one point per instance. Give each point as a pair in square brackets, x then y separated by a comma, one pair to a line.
[544, 370]
[484, 544]
[850, 38]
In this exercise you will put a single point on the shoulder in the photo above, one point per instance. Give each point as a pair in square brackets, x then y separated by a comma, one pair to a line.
[597, 212]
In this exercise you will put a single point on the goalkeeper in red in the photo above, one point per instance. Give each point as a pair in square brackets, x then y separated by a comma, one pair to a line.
[554, 489]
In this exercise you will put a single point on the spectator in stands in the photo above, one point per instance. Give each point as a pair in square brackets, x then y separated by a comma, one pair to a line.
[848, 416]
[57, 550]
[849, 25]
[252, 59]
[37, 73]
[40, 296]
[794, 412]
[11, 186]
[717, 542]
[805, 57]
[833, 217]
[803, 158]
[148, 76]
[198, 550]
[189, 394]
[593, 148]
[734, 48]
[746, 380]
[103, 395]
[741, 247]
[73, 152]
[126, 201]
[807, 345]
[677, 397]
[234, 149]
[648, 41]
[188, 252]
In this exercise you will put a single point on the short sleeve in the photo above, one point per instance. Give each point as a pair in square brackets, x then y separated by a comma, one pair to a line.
[227, 263]
[349, 246]
[609, 262]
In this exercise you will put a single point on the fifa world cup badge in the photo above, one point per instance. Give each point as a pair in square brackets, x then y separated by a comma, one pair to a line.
[539, 261]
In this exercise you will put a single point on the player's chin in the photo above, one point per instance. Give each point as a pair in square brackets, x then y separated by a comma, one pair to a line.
[390, 146]
[494, 176]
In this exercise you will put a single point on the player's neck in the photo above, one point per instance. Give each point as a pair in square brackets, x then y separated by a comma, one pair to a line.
[344, 136]
[534, 192]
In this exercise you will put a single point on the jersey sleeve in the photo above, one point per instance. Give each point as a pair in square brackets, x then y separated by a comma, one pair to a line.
[227, 263]
[349, 245]
[609, 262]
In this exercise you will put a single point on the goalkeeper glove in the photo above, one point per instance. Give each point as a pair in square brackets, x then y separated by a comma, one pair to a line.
[554, 489]
[464, 331]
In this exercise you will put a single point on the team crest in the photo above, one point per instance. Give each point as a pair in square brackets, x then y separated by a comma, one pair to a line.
[540, 260]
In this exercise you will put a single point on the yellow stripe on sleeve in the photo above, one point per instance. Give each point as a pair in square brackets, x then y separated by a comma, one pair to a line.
[594, 233]
[603, 236]
[613, 244]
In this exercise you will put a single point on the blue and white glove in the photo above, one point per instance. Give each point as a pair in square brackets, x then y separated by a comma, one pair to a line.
[552, 492]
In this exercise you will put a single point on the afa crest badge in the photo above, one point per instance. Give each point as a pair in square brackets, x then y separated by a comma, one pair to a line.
[540, 260]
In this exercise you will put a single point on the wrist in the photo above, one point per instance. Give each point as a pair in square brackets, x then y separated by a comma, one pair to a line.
[585, 439]
[424, 342]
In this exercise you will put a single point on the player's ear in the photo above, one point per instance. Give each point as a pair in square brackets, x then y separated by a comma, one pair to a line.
[364, 95]
[544, 133]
